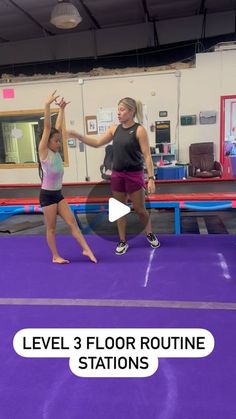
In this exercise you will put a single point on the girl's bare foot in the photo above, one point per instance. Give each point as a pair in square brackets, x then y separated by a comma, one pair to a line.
[58, 259]
[90, 254]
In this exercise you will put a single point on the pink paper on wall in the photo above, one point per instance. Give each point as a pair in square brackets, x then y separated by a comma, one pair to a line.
[8, 93]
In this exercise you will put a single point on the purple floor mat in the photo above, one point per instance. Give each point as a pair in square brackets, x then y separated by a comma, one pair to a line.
[180, 389]
[191, 268]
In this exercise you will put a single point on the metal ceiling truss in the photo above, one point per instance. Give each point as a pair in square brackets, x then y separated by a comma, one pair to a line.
[45, 31]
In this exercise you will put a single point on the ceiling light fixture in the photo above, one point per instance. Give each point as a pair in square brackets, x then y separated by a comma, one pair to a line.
[65, 15]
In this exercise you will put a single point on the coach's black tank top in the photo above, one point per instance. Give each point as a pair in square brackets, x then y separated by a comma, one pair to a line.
[127, 155]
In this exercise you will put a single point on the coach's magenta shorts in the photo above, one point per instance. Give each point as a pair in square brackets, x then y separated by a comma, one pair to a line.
[127, 182]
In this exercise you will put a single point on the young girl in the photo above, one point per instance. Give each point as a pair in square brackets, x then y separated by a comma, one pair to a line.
[51, 198]
[130, 148]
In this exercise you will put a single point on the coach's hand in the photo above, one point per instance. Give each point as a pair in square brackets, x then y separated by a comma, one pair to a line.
[151, 186]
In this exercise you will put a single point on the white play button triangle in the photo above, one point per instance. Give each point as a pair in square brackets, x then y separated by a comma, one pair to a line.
[117, 210]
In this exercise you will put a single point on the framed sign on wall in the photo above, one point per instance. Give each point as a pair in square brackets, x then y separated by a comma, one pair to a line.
[91, 124]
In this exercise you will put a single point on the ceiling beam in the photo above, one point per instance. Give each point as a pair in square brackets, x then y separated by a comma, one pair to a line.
[90, 15]
[155, 34]
[3, 39]
[202, 7]
[203, 34]
[28, 15]
[77, 45]
[146, 11]
[148, 19]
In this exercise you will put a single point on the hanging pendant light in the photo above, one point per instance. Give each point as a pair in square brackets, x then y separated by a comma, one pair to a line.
[65, 15]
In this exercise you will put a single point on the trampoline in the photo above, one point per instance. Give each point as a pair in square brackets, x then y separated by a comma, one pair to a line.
[99, 204]
[92, 197]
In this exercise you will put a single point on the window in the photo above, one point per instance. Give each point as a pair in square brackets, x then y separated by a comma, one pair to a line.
[228, 126]
[20, 135]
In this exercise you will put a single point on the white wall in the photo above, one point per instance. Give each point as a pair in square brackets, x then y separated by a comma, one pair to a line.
[190, 27]
[200, 92]
[200, 89]
[32, 95]
[156, 91]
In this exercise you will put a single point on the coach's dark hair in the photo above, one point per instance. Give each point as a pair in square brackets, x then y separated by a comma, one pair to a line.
[53, 131]
[40, 170]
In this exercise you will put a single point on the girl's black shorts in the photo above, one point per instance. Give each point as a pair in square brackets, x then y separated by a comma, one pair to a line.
[49, 197]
